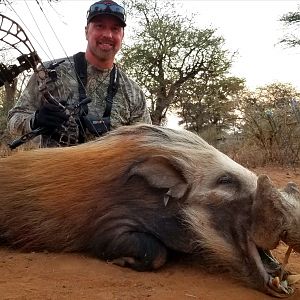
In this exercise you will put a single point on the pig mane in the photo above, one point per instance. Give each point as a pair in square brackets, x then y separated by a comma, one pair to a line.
[56, 191]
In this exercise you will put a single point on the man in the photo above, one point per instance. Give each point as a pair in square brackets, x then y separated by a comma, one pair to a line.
[116, 100]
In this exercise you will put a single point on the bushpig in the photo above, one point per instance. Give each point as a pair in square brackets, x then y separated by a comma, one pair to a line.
[134, 196]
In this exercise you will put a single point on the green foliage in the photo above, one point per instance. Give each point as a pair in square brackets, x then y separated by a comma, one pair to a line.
[168, 52]
[211, 104]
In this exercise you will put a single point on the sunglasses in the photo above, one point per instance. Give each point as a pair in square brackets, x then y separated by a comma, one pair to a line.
[107, 8]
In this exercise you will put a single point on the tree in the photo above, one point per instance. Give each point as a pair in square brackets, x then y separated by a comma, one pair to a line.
[168, 52]
[291, 20]
[211, 104]
[9, 92]
[272, 120]
[13, 41]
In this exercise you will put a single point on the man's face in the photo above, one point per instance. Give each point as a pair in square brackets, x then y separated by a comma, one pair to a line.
[104, 35]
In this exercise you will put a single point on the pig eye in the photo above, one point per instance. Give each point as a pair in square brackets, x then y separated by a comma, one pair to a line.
[225, 179]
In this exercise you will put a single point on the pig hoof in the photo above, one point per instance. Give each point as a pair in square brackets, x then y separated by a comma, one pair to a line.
[123, 261]
[137, 264]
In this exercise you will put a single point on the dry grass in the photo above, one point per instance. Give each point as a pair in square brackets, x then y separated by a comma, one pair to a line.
[6, 139]
[250, 155]
[246, 154]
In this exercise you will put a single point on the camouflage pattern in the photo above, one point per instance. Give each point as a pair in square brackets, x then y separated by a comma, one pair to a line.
[129, 104]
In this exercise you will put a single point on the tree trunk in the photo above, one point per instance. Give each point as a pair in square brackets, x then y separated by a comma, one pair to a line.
[10, 92]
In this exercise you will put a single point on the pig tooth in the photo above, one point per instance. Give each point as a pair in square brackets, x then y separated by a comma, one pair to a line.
[276, 281]
[166, 199]
[293, 278]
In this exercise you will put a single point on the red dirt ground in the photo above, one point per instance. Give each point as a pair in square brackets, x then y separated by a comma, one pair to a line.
[75, 276]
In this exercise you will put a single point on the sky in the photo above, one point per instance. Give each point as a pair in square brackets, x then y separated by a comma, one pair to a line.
[249, 27]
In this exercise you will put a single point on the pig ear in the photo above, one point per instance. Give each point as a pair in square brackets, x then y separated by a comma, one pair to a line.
[160, 172]
[267, 214]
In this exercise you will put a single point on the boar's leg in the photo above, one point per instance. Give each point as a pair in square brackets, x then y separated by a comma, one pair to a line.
[137, 247]
[137, 250]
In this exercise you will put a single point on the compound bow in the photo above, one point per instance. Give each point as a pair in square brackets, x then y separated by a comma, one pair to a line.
[11, 33]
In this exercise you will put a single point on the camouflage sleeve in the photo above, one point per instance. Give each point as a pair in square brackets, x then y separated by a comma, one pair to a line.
[140, 112]
[21, 115]
[135, 97]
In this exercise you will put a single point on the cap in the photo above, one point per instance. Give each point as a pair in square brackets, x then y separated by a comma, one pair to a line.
[107, 7]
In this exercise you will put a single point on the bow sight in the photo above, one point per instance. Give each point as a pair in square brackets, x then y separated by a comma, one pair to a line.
[8, 74]
[12, 34]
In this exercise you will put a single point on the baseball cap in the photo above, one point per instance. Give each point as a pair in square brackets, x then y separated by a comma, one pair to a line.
[107, 7]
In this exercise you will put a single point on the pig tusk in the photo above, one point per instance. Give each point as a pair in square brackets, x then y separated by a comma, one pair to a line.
[166, 199]
[293, 278]
[276, 282]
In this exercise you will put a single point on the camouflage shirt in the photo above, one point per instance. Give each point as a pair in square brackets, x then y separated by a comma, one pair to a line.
[129, 104]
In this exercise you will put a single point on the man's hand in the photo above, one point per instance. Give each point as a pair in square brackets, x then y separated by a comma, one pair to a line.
[50, 116]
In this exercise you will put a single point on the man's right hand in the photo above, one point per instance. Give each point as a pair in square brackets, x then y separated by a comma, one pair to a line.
[49, 116]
